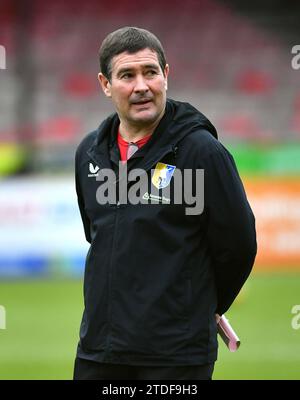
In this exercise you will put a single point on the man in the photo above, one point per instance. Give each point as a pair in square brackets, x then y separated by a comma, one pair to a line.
[156, 272]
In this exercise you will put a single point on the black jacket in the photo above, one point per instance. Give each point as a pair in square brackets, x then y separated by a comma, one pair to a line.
[154, 276]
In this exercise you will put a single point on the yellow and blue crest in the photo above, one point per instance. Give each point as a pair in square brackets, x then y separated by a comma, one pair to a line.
[162, 175]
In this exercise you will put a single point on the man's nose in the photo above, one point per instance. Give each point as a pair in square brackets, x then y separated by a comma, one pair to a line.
[140, 84]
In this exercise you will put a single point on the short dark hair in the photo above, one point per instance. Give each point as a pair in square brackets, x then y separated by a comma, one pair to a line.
[128, 39]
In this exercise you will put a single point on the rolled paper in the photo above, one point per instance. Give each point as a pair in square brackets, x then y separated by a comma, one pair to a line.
[227, 333]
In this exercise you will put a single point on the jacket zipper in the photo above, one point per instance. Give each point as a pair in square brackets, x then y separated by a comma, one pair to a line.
[110, 272]
[110, 280]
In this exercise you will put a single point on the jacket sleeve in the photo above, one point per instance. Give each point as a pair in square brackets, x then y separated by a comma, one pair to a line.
[84, 217]
[231, 226]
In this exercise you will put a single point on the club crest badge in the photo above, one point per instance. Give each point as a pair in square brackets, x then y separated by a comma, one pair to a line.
[162, 175]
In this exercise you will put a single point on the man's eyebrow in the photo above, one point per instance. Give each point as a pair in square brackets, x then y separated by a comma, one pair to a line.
[152, 66]
[130, 69]
[122, 70]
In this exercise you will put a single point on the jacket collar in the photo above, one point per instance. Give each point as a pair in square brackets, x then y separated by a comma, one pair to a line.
[179, 120]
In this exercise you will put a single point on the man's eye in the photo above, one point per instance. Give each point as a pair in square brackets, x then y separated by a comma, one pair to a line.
[151, 72]
[126, 76]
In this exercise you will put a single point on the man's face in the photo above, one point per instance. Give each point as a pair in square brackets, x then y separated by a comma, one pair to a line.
[137, 88]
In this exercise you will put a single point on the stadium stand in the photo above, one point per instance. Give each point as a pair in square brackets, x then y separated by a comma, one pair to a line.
[232, 67]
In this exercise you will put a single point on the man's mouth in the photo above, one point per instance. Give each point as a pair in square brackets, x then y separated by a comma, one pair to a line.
[141, 102]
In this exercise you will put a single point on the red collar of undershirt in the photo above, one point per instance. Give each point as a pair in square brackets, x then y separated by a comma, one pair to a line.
[123, 144]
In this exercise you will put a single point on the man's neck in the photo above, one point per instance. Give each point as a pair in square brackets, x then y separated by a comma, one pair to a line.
[132, 133]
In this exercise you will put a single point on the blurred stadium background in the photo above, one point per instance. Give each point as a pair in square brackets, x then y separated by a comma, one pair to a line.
[233, 62]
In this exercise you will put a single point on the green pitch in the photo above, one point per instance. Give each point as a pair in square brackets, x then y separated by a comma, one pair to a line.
[43, 317]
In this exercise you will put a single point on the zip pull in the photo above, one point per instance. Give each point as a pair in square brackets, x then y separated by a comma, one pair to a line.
[175, 149]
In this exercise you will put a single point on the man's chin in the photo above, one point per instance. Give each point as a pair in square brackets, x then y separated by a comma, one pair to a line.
[144, 117]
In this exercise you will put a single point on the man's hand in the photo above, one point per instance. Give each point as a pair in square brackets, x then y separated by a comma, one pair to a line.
[217, 318]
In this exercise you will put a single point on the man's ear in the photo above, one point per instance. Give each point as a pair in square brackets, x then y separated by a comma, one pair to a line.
[166, 73]
[105, 84]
